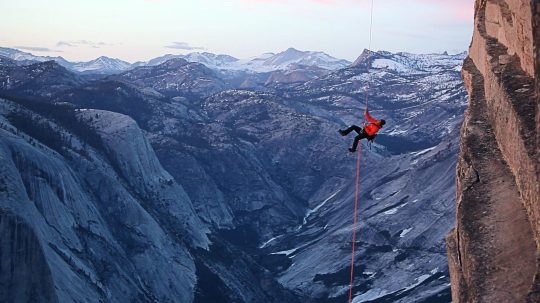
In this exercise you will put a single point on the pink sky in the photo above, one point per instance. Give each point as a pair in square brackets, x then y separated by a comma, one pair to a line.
[456, 10]
[142, 29]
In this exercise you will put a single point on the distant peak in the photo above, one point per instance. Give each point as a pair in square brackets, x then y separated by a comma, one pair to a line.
[174, 62]
[101, 59]
[363, 57]
[293, 50]
[366, 52]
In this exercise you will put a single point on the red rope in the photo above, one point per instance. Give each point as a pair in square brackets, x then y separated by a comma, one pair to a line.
[355, 221]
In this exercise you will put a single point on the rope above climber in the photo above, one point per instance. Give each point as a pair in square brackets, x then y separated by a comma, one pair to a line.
[369, 131]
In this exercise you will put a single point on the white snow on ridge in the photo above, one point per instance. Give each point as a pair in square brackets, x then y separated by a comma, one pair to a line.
[418, 63]
[266, 62]
[17, 55]
[310, 211]
[377, 293]
[370, 295]
[395, 209]
[405, 232]
[389, 64]
[269, 241]
[102, 64]
[285, 252]
[424, 151]
[397, 131]
[416, 155]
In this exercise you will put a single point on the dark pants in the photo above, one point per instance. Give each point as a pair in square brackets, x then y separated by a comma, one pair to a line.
[361, 134]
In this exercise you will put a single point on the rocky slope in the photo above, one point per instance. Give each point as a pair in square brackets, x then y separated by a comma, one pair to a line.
[403, 217]
[87, 204]
[175, 77]
[42, 79]
[493, 250]
[72, 213]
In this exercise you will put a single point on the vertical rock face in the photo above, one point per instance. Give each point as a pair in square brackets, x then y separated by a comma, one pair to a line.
[493, 250]
[25, 276]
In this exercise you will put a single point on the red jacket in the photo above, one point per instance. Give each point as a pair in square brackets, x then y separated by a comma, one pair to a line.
[373, 127]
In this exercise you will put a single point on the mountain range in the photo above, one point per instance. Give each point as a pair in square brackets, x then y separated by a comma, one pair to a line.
[264, 63]
[182, 181]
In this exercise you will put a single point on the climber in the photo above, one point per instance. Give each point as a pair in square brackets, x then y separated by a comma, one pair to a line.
[369, 131]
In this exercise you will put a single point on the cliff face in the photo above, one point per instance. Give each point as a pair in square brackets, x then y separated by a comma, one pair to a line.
[493, 250]
[78, 225]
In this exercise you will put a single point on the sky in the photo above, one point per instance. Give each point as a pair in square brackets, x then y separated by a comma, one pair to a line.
[138, 30]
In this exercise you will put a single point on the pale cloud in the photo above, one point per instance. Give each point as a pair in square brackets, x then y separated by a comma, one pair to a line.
[86, 43]
[183, 46]
[37, 49]
[64, 43]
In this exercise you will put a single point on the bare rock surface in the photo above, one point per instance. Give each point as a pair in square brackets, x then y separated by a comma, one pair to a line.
[84, 215]
[493, 250]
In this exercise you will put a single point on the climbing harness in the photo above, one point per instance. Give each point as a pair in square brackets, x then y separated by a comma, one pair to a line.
[358, 164]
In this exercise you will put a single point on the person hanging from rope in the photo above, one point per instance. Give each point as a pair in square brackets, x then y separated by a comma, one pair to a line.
[369, 131]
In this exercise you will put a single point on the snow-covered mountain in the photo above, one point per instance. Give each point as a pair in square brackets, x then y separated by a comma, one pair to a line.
[410, 63]
[284, 60]
[28, 58]
[308, 58]
[210, 60]
[102, 65]
[266, 62]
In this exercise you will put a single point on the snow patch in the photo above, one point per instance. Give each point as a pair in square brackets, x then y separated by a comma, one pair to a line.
[405, 232]
[389, 64]
[369, 273]
[376, 293]
[424, 151]
[285, 252]
[370, 295]
[397, 132]
[420, 153]
[395, 209]
[269, 241]
[310, 211]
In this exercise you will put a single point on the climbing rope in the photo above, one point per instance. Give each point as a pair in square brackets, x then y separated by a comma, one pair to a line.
[358, 163]
[354, 222]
